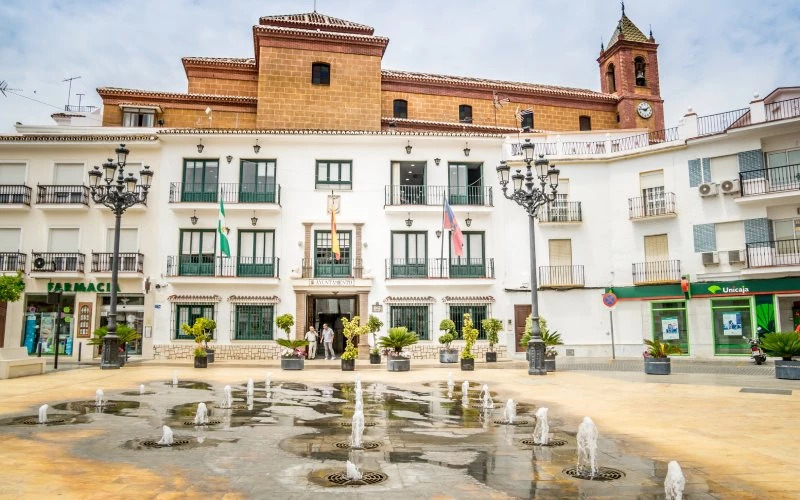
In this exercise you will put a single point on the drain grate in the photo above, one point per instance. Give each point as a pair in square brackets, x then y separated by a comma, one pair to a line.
[758, 390]
[232, 407]
[210, 422]
[90, 405]
[365, 445]
[552, 443]
[137, 393]
[50, 421]
[515, 422]
[367, 477]
[602, 474]
[350, 424]
[154, 444]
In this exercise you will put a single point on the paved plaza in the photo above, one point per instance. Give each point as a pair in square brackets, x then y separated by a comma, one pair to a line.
[730, 444]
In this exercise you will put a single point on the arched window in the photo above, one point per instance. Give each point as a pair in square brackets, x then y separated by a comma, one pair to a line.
[639, 68]
[400, 108]
[321, 73]
[465, 113]
[611, 79]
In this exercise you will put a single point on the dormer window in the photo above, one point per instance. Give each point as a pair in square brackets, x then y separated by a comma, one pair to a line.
[465, 113]
[321, 73]
[138, 117]
[639, 68]
[400, 108]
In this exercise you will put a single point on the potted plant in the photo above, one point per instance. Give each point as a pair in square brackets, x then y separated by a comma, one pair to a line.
[393, 344]
[292, 357]
[373, 326]
[124, 332]
[491, 326]
[202, 330]
[200, 357]
[448, 354]
[470, 335]
[656, 357]
[785, 346]
[351, 330]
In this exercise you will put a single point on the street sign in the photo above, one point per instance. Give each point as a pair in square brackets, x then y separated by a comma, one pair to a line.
[609, 299]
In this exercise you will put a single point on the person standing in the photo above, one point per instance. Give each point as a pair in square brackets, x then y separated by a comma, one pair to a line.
[312, 337]
[327, 341]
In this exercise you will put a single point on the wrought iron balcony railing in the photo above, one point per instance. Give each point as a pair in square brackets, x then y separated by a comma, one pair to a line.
[62, 194]
[435, 195]
[659, 204]
[720, 122]
[181, 192]
[328, 267]
[773, 253]
[561, 211]
[220, 266]
[129, 262]
[770, 180]
[57, 262]
[560, 276]
[781, 110]
[15, 194]
[663, 271]
[12, 261]
[456, 268]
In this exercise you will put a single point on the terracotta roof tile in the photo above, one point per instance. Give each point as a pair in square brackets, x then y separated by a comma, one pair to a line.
[221, 61]
[323, 34]
[629, 32]
[112, 91]
[102, 138]
[315, 20]
[388, 120]
[228, 131]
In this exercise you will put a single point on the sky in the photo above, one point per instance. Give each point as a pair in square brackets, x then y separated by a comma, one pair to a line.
[713, 55]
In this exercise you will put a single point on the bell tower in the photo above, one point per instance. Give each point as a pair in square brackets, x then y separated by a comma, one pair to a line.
[629, 69]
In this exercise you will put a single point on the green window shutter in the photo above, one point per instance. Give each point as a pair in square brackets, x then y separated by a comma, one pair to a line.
[705, 238]
[706, 165]
[752, 161]
[757, 231]
[695, 177]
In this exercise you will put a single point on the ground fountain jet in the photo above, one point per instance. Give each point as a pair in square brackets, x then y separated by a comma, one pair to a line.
[486, 399]
[141, 389]
[267, 381]
[358, 382]
[587, 446]
[352, 472]
[201, 417]
[175, 378]
[250, 390]
[464, 388]
[450, 384]
[98, 398]
[541, 433]
[510, 412]
[43, 414]
[166, 436]
[675, 482]
[227, 401]
[358, 430]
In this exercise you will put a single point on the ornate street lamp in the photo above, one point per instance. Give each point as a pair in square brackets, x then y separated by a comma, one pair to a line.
[119, 195]
[530, 197]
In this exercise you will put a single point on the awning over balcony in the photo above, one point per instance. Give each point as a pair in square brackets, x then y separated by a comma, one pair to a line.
[409, 300]
[195, 299]
[487, 299]
[254, 299]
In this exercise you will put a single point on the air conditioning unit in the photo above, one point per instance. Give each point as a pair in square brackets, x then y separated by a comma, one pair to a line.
[736, 257]
[707, 189]
[730, 186]
[710, 258]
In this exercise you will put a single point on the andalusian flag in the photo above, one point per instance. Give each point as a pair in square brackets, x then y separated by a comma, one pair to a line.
[224, 246]
[334, 237]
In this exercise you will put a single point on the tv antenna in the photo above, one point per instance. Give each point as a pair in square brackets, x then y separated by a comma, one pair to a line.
[4, 87]
[69, 91]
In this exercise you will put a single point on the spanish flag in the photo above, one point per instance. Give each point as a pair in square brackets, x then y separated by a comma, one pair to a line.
[337, 254]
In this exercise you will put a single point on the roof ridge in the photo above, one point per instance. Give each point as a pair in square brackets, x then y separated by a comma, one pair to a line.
[316, 32]
[317, 19]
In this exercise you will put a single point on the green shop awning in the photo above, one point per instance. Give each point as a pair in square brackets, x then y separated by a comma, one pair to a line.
[708, 289]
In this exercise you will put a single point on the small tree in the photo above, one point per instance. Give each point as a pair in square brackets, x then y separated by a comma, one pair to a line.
[447, 326]
[470, 335]
[285, 322]
[11, 288]
[352, 329]
[491, 326]
[373, 326]
[202, 330]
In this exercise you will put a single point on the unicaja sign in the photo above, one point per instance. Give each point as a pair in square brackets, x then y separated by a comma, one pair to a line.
[728, 289]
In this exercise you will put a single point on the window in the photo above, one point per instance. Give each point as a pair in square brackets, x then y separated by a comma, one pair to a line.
[325, 263]
[732, 323]
[200, 181]
[64, 240]
[138, 117]
[10, 239]
[253, 322]
[466, 183]
[585, 123]
[415, 318]
[611, 79]
[128, 240]
[187, 314]
[669, 324]
[780, 158]
[560, 252]
[478, 312]
[334, 174]
[12, 174]
[465, 113]
[197, 252]
[787, 236]
[656, 248]
[729, 236]
[409, 252]
[68, 174]
[400, 108]
[527, 119]
[655, 198]
[639, 68]
[321, 73]
[471, 264]
[256, 254]
[257, 181]
[558, 209]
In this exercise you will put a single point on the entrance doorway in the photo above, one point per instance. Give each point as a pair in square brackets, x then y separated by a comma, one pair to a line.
[330, 310]
[521, 313]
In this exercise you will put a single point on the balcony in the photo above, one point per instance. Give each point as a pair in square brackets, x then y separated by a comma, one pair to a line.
[656, 272]
[773, 253]
[439, 268]
[561, 277]
[328, 267]
[781, 110]
[220, 266]
[477, 196]
[129, 262]
[652, 207]
[770, 183]
[12, 262]
[15, 194]
[560, 212]
[57, 262]
[232, 194]
[76, 195]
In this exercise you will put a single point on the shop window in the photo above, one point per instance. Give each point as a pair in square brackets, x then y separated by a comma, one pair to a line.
[321, 73]
[415, 318]
[46, 314]
[670, 325]
[478, 313]
[585, 123]
[465, 113]
[400, 108]
[732, 325]
[253, 322]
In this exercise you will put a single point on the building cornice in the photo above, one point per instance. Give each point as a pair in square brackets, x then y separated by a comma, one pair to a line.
[218, 131]
[77, 138]
[389, 121]
[111, 92]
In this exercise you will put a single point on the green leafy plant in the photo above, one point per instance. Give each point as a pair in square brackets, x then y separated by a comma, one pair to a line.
[784, 345]
[352, 328]
[398, 338]
[491, 326]
[656, 349]
[199, 352]
[124, 332]
[449, 327]
[293, 347]
[202, 330]
[549, 338]
[285, 322]
[470, 334]
[11, 287]
[373, 326]
[446, 340]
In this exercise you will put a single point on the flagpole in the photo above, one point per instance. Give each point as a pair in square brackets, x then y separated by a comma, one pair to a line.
[441, 251]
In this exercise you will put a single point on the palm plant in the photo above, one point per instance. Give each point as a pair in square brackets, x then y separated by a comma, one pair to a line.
[398, 338]
[549, 338]
[657, 349]
[293, 346]
[784, 345]
[124, 332]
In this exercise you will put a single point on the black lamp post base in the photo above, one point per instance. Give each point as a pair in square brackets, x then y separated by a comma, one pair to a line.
[110, 359]
[536, 350]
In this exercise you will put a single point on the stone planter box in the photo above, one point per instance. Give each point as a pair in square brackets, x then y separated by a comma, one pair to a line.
[657, 366]
[491, 357]
[201, 361]
[374, 359]
[292, 363]
[398, 364]
[467, 365]
[348, 365]
[210, 355]
[550, 364]
[448, 356]
[787, 370]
